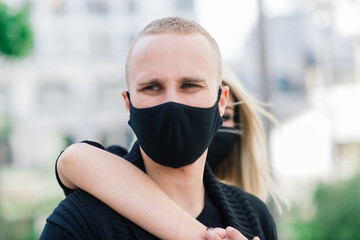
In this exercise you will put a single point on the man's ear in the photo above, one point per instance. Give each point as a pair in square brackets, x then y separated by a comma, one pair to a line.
[223, 99]
[126, 100]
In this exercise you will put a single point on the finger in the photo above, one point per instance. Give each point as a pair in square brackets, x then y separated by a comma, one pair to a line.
[234, 234]
[211, 234]
[256, 238]
[221, 232]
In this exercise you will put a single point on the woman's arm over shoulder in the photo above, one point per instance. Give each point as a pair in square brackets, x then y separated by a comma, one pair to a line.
[67, 158]
[122, 186]
[76, 158]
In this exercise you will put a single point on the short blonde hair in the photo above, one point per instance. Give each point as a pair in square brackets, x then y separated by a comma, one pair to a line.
[177, 25]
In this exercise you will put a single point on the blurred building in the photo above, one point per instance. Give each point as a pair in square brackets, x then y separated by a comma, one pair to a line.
[301, 56]
[69, 89]
[313, 83]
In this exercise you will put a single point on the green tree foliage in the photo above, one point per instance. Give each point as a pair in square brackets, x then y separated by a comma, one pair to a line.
[337, 216]
[16, 36]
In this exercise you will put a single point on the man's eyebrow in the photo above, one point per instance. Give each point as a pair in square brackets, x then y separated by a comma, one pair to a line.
[148, 82]
[192, 80]
[156, 81]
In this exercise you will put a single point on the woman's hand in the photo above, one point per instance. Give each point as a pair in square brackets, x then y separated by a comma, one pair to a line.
[229, 233]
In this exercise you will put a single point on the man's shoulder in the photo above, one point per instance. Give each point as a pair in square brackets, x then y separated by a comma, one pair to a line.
[242, 195]
[79, 216]
[82, 207]
[82, 198]
[85, 216]
[254, 208]
[117, 150]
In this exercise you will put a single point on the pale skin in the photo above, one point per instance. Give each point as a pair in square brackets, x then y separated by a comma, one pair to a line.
[164, 67]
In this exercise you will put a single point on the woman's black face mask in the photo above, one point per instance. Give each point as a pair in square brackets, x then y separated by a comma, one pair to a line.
[173, 134]
[221, 146]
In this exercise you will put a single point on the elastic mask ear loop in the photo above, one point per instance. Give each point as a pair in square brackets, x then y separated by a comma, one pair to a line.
[128, 95]
[219, 95]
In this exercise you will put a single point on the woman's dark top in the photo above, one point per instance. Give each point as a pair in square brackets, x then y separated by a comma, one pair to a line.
[82, 216]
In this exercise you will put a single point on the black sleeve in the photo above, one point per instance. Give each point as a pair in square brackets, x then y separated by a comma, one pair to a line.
[67, 190]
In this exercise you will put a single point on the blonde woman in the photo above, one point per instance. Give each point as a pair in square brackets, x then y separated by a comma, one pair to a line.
[247, 164]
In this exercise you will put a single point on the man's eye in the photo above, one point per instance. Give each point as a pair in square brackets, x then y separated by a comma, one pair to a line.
[189, 85]
[151, 88]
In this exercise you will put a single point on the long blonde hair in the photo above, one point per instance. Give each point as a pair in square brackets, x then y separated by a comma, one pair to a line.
[247, 165]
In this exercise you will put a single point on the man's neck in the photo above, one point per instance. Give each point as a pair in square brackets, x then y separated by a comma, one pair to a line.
[184, 185]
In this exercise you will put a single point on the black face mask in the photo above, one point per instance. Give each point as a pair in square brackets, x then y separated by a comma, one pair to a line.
[221, 146]
[173, 134]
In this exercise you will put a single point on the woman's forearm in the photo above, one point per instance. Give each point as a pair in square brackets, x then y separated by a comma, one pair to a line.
[127, 190]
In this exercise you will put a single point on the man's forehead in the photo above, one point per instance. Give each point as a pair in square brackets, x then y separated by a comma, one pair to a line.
[147, 49]
[146, 40]
[168, 39]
